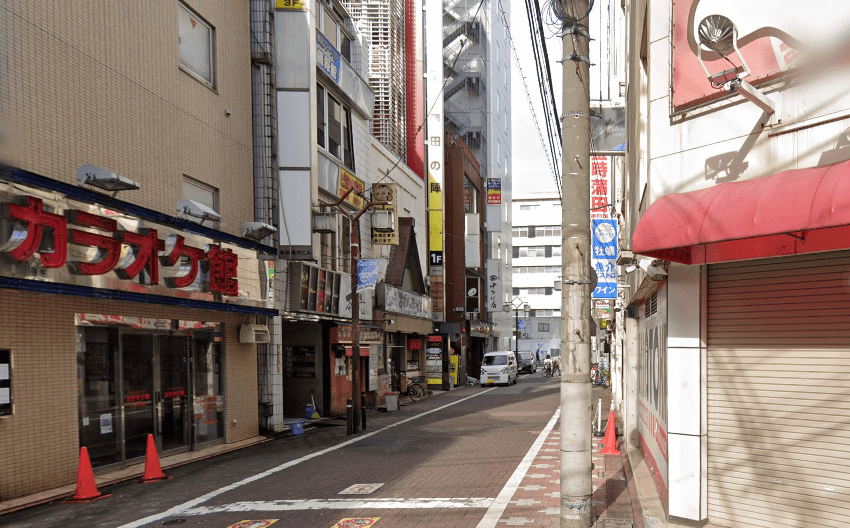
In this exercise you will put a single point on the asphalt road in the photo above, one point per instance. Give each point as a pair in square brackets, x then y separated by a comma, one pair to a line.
[442, 462]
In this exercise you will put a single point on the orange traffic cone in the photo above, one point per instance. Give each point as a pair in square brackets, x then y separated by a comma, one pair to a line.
[86, 487]
[610, 439]
[153, 471]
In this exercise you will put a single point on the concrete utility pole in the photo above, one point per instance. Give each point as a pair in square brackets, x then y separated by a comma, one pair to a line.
[576, 411]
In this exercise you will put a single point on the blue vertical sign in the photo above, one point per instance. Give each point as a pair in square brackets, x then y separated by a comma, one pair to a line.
[603, 258]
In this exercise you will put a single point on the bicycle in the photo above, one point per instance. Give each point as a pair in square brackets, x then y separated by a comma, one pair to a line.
[415, 391]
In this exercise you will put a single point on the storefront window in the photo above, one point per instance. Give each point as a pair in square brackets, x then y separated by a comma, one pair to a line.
[208, 402]
[137, 377]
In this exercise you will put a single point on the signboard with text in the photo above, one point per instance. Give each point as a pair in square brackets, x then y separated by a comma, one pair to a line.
[64, 241]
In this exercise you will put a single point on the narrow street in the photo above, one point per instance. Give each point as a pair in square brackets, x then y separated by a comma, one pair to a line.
[471, 457]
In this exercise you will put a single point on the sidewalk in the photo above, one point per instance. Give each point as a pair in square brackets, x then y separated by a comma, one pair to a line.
[536, 501]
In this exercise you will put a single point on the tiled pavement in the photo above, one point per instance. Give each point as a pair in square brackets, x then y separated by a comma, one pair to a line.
[535, 502]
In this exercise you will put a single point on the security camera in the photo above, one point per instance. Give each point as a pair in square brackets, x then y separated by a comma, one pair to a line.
[654, 272]
[257, 230]
[196, 209]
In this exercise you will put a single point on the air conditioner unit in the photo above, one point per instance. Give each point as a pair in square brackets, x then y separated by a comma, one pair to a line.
[254, 333]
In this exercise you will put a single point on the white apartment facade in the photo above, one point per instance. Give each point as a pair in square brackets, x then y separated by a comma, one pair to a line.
[536, 267]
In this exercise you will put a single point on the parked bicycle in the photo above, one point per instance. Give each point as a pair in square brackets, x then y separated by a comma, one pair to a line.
[415, 391]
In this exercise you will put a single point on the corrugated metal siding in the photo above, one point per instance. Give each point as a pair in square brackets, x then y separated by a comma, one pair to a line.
[778, 379]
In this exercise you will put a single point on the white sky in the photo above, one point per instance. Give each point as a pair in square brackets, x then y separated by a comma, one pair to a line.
[531, 172]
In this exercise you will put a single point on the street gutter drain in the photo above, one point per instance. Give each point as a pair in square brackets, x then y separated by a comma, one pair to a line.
[173, 521]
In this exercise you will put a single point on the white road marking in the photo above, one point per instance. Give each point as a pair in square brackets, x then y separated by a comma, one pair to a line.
[494, 513]
[180, 508]
[341, 504]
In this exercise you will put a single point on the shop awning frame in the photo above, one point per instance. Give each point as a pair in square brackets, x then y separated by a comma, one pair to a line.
[792, 212]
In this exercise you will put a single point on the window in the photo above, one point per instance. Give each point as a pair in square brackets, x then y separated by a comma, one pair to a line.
[201, 193]
[331, 24]
[196, 45]
[5, 382]
[334, 126]
[556, 251]
[320, 116]
[334, 130]
[532, 251]
[470, 196]
[520, 232]
[542, 327]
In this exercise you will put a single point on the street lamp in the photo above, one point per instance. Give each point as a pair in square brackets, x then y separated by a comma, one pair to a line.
[515, 304]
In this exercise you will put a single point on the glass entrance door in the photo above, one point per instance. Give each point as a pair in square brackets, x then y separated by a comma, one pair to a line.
[137, 395]
[173, 391]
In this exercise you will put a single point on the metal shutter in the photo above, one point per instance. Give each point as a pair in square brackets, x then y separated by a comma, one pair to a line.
[778, 380]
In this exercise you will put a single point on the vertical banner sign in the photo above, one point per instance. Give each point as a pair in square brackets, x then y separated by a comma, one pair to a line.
[603, 258]
[472, 295]
[494, 191]
[434, 139]
[494, 285]
[600, 188]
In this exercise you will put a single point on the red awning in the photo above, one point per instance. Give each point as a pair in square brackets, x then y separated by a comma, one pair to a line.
[364, 351]
[792, 212]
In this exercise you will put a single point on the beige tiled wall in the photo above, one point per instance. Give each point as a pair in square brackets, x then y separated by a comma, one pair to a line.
[39, 442]
[101, 83]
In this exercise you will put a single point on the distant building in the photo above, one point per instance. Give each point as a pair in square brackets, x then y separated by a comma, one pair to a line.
[536, 268]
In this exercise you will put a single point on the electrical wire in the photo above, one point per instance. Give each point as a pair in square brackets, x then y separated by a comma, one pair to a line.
[546, 151]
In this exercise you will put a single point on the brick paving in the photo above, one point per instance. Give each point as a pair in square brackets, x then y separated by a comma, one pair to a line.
[536, 501]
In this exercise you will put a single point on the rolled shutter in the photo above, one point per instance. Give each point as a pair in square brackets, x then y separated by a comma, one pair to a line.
[778, 392]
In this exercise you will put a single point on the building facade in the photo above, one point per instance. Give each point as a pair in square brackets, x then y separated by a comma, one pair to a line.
[329, 164]
[734, 202]
[536, 270]
[477, 66]
[132, 304]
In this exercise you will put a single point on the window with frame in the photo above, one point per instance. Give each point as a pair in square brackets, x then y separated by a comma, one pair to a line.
[543, 327]
[521, 232]
[201, 193]
[470, 196]
[331, 23]
[197, 45]
[532, 251]
[334, 130]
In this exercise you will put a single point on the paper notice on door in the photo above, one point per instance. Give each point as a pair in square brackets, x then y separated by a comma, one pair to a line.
[4, 371]
[105, 423]
[5, 396]
[85, 421]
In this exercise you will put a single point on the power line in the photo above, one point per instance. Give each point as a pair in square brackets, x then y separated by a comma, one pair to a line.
[546, 151]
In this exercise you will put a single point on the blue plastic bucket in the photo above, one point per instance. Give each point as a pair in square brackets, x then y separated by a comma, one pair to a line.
[297, 427]
[308, 412]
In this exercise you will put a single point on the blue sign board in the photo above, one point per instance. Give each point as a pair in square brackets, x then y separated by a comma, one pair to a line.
[327, 57]
[367, 274]
[603, 258]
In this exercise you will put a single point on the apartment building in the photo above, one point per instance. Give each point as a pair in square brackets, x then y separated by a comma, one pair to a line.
[536, 247]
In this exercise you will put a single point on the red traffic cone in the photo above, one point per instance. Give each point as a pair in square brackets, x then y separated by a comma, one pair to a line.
[610, 439]
[153, 471]
[86, 487]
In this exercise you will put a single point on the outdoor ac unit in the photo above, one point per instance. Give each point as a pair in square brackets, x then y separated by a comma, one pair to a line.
[254, 333]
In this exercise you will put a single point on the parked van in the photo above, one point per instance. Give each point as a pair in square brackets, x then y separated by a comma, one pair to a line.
[498, 367]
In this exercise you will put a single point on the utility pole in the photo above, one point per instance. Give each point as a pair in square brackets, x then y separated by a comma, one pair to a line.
[576, 465]
[353, 420]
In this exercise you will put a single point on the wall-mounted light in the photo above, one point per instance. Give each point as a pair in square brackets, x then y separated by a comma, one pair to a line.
[383, 221]
[324, 223]
[197, 210]
[88, 174]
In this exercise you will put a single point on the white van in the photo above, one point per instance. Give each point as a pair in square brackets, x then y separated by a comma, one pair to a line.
[498, 367]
